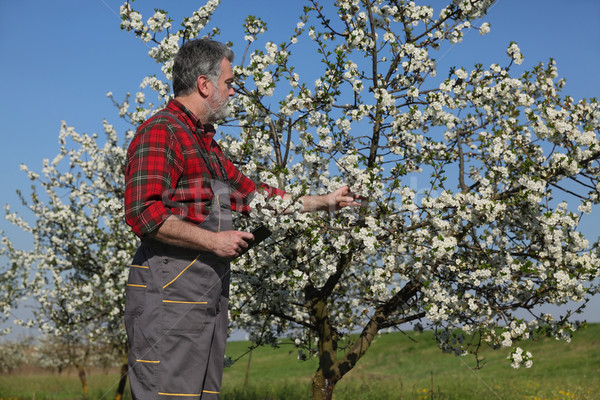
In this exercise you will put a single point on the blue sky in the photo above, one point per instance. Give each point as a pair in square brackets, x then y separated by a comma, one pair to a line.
[60, 57]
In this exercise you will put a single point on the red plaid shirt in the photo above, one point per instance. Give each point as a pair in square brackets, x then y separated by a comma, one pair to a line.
[166, 176]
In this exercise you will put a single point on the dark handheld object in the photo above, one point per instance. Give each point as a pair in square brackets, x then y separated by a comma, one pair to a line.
[260, 233]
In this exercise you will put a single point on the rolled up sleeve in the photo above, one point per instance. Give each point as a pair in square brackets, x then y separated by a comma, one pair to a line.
[153, 167]
[243, 188]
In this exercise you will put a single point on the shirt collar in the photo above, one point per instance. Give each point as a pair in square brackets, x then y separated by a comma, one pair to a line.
[190, 119]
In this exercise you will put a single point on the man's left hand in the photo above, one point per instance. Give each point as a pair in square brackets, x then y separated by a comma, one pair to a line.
[341, 198]
[333, 201]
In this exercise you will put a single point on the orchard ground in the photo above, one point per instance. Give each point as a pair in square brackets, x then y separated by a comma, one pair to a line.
[399, 366]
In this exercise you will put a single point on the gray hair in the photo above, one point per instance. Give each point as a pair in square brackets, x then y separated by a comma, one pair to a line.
[195, 58]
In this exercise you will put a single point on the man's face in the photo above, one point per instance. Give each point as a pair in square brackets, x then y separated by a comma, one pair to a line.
[218, 101]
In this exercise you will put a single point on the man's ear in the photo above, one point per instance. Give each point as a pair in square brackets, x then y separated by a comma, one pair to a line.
[204, 86]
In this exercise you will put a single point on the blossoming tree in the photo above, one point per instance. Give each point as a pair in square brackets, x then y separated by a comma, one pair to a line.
[507, 167]
[75, 271]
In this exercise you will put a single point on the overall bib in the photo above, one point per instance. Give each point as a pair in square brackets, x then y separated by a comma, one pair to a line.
[176, 312]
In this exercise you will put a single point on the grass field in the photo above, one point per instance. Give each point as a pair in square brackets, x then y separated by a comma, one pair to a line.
[396, 367]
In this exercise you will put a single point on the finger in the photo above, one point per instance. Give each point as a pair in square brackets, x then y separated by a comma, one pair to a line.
[349, 202]
[344, 190]
[246, 236]
[347, 199]
[237, 251]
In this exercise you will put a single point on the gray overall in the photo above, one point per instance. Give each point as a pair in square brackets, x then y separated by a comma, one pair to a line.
[176, 312]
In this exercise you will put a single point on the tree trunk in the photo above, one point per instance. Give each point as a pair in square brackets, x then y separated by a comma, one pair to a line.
[322, 388]
[83, 379]
[122, 381]
[246, 378]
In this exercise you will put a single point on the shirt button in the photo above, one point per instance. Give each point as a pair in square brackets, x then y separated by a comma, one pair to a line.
[165, 260]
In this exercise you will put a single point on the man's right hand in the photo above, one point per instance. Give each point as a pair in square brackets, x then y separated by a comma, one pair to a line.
[226, 244]
[230, 244]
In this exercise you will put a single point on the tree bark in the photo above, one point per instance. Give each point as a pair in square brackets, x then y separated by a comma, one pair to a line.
[246, 378]
[328, 373]
[83, 379]
[322, 388]
[122, 381]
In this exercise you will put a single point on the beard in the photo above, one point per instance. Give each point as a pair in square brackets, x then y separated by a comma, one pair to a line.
[219, 108]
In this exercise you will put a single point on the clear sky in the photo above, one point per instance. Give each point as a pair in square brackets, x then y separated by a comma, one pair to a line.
[61, 57]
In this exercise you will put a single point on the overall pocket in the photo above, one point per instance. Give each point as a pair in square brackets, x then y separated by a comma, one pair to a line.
[191, 297]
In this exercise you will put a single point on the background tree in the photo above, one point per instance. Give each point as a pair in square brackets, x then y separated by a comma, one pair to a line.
[75, 272]
[14, 353]
[486, 232]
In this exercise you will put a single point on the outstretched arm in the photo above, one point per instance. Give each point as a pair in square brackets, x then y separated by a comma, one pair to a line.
[333, 201]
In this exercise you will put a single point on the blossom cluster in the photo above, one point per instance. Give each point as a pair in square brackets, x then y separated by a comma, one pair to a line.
[520, 358]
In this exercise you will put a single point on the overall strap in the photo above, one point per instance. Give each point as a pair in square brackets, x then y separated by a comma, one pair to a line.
[201, 150]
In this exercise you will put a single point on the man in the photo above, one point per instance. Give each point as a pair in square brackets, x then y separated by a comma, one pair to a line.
[180, 192]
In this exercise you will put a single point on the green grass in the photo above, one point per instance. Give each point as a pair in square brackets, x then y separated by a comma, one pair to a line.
[395, 367]
[66, 386]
